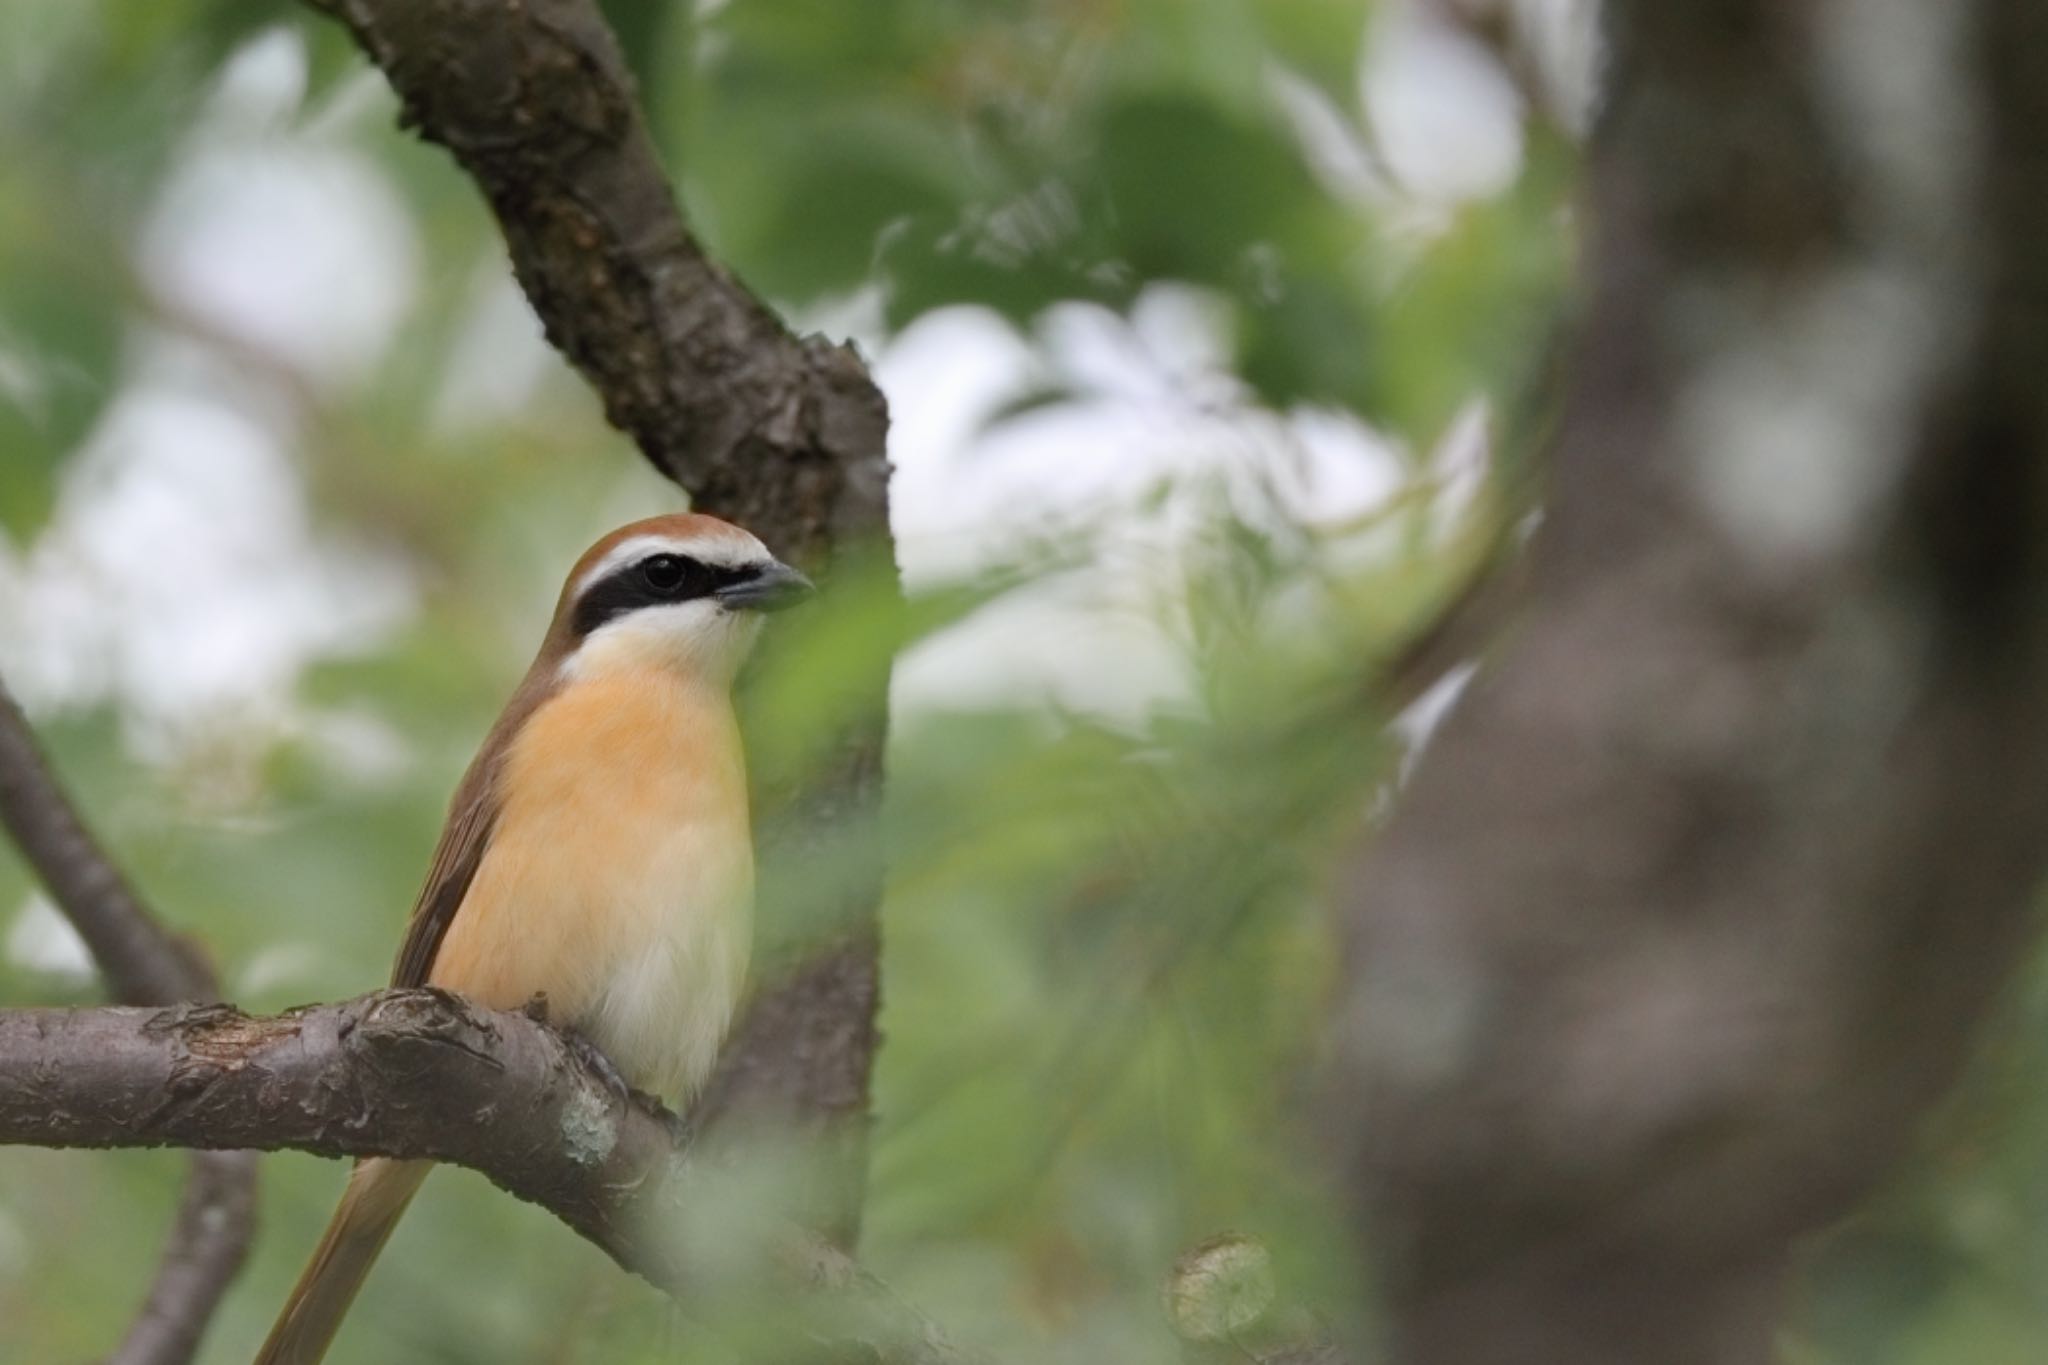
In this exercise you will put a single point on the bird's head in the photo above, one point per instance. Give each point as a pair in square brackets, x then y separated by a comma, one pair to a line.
[682, 593]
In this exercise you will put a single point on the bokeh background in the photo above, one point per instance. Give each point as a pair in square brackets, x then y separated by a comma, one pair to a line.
[1213, 333]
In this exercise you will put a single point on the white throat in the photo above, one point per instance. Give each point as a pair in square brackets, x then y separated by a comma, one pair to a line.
[699, 641]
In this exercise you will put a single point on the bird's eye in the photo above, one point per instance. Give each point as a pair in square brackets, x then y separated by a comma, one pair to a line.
[664, 573]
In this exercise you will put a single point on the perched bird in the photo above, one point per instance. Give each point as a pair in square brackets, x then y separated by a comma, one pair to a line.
[597, 851]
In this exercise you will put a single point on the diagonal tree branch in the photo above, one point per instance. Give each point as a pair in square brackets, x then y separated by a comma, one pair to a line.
[412, 1073]
[209, 1241]
[535, 101]
[143, 964]
[784, 435]
[140, 959]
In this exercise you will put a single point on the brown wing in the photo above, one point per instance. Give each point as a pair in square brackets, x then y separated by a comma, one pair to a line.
[471, 817]
[454, 867]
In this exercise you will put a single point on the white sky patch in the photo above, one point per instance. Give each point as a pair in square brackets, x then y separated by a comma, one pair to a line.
[180, 576]
[1332, 141]
[859, 316]
[1426, 714]
[1057, 644]
[945, 375]
[1128, 463]
[1148, 403]
[1445, 117]
[42, 940]
[304, 253]
[501, 355]
[297, 246]
[1348, 468]
[292, 965]
[262, 83]
[357, 745]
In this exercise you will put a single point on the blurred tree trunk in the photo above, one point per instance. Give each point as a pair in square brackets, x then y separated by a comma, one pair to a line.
[1692, 908]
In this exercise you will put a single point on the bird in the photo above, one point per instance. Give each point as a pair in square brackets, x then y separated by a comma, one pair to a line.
[597, 852]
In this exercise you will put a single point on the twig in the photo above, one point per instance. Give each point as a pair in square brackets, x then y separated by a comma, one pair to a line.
[206, 1247]
[143, 964]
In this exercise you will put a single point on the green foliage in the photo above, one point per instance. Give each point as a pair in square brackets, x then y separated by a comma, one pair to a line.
[1107, 946]
[1017, 155]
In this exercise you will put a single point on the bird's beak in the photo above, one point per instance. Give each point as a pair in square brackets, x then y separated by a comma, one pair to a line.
[770, 588]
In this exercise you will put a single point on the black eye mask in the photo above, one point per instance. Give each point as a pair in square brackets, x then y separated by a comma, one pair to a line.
[656, 581]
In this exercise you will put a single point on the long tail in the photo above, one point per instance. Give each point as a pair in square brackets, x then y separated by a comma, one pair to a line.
[379, 1188]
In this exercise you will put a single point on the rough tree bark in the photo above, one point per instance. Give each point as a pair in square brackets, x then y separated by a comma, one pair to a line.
[1690, 910]
[421, 1073]
[782, 434]
[417, 1071]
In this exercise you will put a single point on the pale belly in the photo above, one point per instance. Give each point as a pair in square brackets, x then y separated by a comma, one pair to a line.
[619, 883]
[664, 999]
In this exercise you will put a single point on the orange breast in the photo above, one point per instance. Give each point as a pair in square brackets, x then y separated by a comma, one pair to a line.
[619, 876]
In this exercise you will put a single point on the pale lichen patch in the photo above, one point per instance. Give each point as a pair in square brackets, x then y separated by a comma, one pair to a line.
[588, 1128]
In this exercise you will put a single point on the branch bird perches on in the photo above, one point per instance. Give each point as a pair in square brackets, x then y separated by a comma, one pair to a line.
[411, 1073]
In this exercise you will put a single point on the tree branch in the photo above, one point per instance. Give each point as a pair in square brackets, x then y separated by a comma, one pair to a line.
[784, 435]
[408, 1073]
[143, 964]
[412, 1073]
[209, 1241]
[535, 101]
[141, 961]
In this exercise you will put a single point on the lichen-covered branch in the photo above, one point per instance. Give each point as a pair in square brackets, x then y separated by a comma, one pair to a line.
[414, 1073]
